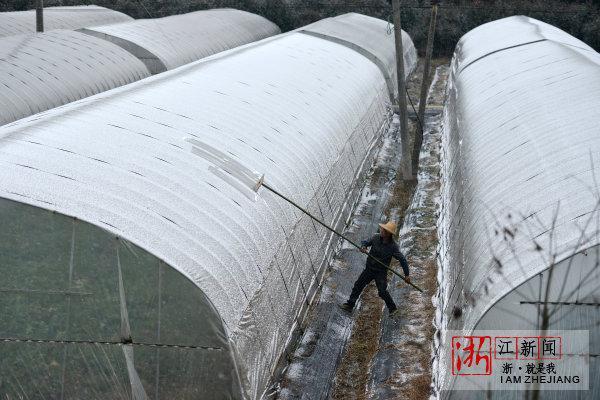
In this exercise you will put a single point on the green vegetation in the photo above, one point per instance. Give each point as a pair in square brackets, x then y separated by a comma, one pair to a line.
[456, 17]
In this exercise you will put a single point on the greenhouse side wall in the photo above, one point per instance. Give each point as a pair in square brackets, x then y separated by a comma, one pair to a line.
[570, 297]
[571, 304]
[303, 257]
[73, 296]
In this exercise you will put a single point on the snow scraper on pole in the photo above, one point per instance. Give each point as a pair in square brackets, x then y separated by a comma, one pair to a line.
[255, 181]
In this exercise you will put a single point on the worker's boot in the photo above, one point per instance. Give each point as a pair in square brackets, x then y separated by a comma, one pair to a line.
[346, 306]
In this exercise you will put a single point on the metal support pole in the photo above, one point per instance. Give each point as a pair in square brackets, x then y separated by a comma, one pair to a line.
[406, 164]
[39, 15]
[424, 87]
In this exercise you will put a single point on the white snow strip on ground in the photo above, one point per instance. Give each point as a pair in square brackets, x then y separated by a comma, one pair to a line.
[436, 368]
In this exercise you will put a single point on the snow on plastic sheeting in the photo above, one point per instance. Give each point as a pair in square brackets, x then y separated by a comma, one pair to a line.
[46, 70]
[506, 33]
[19, 22]
[308, 120]
[181, 39]
[373, 37]
[521, 127]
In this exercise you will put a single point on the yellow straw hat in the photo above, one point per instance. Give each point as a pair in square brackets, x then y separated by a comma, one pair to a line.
[389, 226]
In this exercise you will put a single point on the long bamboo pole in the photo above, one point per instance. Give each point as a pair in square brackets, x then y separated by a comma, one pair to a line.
[337, 233]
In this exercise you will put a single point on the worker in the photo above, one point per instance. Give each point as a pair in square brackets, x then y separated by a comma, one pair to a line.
[383, 248]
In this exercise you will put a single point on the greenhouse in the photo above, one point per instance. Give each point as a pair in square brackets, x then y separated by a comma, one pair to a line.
[20, 22]
[166, 43]
[138, 264]
[40, 71]
[46, 70]
[519, 224]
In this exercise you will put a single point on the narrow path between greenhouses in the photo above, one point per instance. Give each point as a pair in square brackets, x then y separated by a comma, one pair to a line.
[328, 362]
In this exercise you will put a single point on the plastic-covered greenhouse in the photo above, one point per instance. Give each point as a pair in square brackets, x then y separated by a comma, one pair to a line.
[20, 22]
[136, 266]
[166, 43]
[47, 70]
[520, 196]
[39, 71]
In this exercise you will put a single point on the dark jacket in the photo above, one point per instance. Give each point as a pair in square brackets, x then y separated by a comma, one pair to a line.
[384, 252]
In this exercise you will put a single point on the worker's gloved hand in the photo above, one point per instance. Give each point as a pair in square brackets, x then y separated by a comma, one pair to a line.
[399, 284]
[364, 250]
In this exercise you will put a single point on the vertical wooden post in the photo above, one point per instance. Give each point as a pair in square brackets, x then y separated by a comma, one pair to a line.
[39, 15]
[424, 87]
[406, 164]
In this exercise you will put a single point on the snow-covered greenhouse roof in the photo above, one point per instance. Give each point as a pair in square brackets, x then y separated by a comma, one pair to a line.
[365, 34]
[172, 41]
[20, 22]
[46, 70]
[520, 160]
[151, 162]
[40, 71]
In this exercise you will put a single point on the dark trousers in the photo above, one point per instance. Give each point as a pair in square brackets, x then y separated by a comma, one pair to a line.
[363, 280]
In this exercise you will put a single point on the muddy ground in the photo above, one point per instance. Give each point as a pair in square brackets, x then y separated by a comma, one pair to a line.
[366, 355]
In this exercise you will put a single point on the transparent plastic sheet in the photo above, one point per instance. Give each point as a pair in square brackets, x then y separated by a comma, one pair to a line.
[90, 316]
[127, 169]
[19, 22]
[564, 318]
[520, 144]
